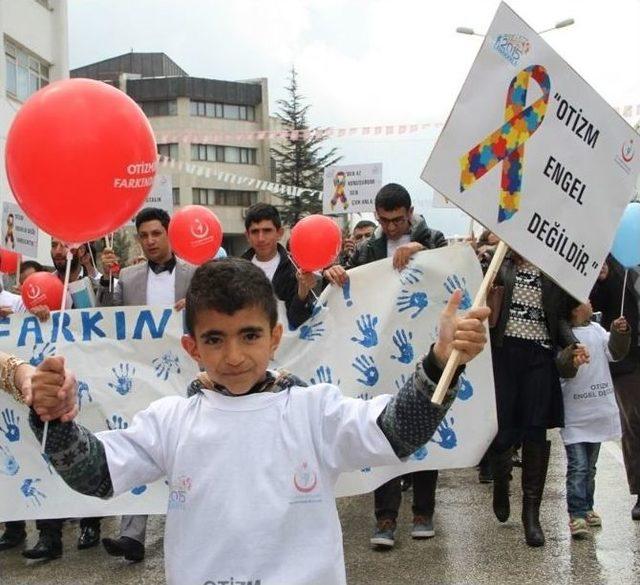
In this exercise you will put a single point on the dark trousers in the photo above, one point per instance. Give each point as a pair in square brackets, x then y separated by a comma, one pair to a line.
[581, 477]
[627, 387]
[54, 526]
[15, 526]
[388, 496]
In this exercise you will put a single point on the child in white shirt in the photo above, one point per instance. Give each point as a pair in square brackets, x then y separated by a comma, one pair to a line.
[590, 409]
[252, 457]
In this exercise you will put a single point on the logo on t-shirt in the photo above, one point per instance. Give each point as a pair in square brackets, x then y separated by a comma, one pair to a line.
[305, 478]
[179, 491]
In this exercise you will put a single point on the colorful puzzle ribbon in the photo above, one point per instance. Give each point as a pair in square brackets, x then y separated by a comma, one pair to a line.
[506, 144]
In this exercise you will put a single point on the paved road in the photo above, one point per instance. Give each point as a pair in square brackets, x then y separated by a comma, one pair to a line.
[470, 545]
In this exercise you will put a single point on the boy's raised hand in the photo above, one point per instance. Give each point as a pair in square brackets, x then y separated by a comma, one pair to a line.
[53, 391]
[580, 355]
[466, 333]
[620, 325]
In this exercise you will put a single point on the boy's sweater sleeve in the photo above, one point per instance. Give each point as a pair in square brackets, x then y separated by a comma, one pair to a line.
[77, 455]
[564, 362]
[410, 419]
[619, 344]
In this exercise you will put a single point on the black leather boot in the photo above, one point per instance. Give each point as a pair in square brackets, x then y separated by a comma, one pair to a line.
[14, 535]
[49, 546]
[535, 461]
[501, 471]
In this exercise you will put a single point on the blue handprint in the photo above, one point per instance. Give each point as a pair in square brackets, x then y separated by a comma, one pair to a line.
[447, 436]
[452, 283]
[12, 430]
[417, 300]
[367, 325]
[317, 308]
[124, 378]
[116, 423]
[29, 490]
[136, 491]
[165, 364]
[8, 463]
[311, 332]
[83, 393]
[400, 382]
[402, 341]
[367, 367]
[419, 454]
[40, 352]
[410, 275]
[323, 376]
[364, 396]
[466, 388]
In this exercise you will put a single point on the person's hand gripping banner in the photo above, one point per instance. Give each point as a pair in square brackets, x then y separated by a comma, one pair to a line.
[506, 144]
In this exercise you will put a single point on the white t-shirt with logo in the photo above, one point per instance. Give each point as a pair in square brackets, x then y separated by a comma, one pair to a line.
[393, 245]
[269, 267]
[590, 410]
[252, 480]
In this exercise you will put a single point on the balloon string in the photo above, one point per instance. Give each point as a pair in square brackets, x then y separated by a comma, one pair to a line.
[315, 296]
[624, 288]
[56, 334]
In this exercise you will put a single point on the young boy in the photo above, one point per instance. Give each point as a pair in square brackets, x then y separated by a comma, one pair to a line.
[591, 412]
[252, 457]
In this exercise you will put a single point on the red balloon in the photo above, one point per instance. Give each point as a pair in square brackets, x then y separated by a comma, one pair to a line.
[315, 242]
[42, 288]
[8, 261]
[80, 159]
[195, 234]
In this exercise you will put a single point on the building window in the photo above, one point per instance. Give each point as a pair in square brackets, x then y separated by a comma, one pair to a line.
[160, 108]
[228, 111]
[175, 191]
[26, 73]
[229, 154]
[224, 197]
[168, 150]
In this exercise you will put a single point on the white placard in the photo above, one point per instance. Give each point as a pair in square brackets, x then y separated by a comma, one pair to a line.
[19, 233]
[350, 188]
[161, 195]
[551, 171]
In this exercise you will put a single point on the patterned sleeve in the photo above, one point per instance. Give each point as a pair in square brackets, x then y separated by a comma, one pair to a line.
[77, 455]
[410, 419]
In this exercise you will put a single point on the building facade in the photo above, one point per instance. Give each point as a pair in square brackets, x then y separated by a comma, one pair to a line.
[35, 43]
[200, 124]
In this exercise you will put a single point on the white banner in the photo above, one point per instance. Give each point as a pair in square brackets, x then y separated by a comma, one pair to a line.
[350, 188]
[365, 338]
[19, 233]
[533, 153]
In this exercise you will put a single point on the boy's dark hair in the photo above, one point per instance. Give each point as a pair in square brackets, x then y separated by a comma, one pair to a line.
[150, 214]
[392, 196]
[261, 211]
[227, 286]
[32, 264]
[364, 223]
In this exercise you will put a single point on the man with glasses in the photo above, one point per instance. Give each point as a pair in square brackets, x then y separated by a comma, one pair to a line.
[401, 235]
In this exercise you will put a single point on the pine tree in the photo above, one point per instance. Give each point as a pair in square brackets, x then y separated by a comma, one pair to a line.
[299, 158]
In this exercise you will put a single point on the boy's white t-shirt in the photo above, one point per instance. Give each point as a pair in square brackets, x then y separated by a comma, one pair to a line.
[393, 245]
[251, 480]
[590, 410]
[269, 267]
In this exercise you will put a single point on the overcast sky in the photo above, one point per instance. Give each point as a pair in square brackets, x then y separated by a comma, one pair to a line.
[361, 63]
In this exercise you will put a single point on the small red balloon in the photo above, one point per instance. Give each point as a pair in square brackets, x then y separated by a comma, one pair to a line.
[195, 234]
[42, 288]
[315, 242]
[8, 261]
[80, 159]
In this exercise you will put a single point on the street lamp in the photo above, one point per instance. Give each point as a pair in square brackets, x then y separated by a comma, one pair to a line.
[463, 30]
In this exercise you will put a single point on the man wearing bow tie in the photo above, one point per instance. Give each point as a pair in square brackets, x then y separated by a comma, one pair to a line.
[162, 280]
